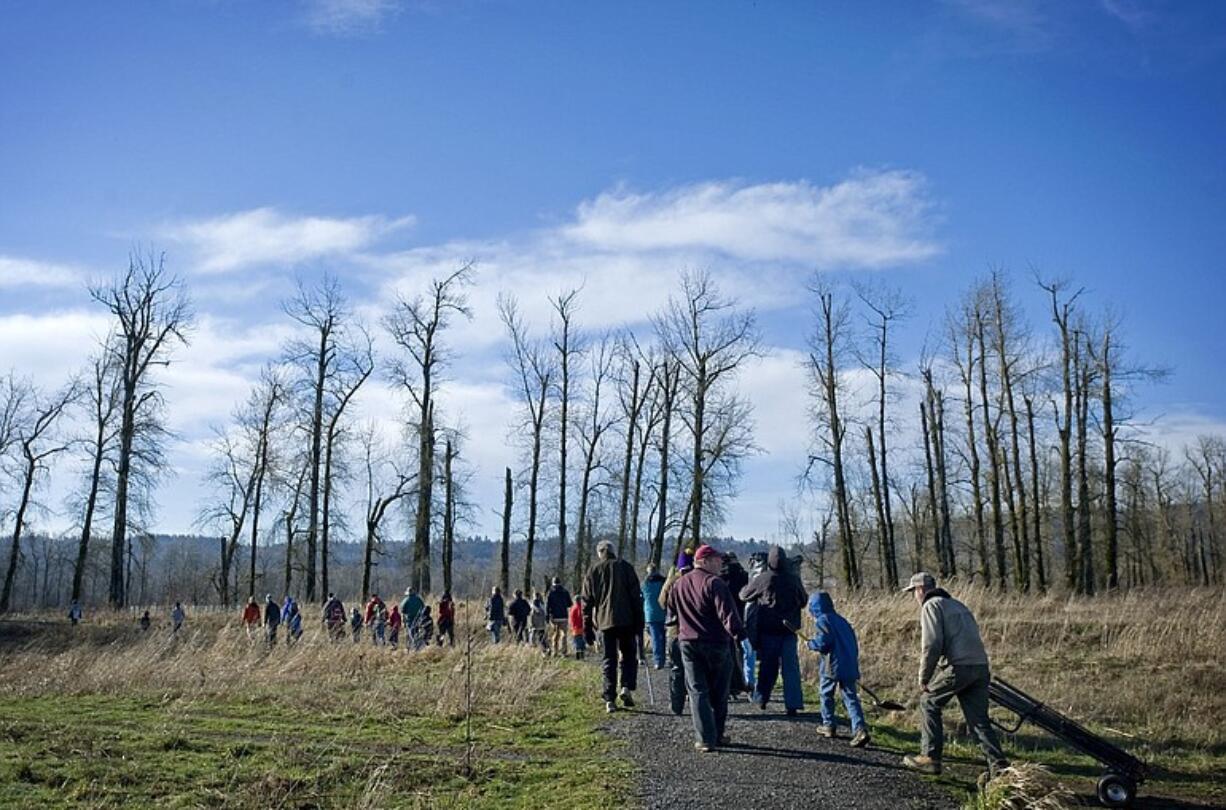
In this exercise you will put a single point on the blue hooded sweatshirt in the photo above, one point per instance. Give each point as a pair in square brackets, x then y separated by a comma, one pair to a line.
[835, 640]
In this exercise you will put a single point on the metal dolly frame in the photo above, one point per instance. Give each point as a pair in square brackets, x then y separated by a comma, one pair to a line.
[1118, 787]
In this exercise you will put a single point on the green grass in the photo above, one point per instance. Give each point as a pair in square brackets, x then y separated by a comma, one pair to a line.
[273, 748]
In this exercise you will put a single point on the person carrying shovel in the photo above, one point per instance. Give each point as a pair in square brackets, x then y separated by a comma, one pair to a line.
[835, 640]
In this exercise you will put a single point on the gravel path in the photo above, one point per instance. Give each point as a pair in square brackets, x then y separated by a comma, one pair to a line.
[774, 761]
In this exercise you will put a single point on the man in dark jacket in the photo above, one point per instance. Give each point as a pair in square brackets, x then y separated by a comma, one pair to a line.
[614, 603]
[950, 640]
[708, 624]
[495, 614]
[835, 640]
[780, 597]
[519, 610]
[272, 619]
[557, 606]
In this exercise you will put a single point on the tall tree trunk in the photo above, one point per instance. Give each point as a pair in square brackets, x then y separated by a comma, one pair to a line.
[425, 489]
[326, 519]
[670, 390]
[883, 539]
[1111, 516]
[119, 530]
[697, 483]
[533, 483]
[317, 430]
[504, 568]
[937, 548]
[87, 521]
[631, 425]
[1040, 567]
[1085, 550]
[990, 437]
[972, 446]
[563, 430]
[449, 519]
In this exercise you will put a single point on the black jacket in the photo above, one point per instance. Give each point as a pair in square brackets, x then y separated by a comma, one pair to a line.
[779, 594]
[519, 610]
[558, 602]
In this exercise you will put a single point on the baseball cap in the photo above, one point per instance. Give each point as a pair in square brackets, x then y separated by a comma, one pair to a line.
[705, 551]
[921, 579]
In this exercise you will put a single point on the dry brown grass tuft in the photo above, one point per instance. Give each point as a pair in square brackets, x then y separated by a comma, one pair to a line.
[1025, 787]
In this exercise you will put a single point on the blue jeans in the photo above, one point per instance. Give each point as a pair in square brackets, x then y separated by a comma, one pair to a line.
[659, 646]
[751, 663]
[851, 700]
[776, 652]
[495, 631]
[708, 674]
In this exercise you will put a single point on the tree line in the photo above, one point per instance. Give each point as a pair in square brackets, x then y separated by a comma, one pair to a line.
[1024, 467]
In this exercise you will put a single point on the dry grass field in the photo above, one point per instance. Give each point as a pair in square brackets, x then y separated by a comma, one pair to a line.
[1145, 669]
[105, 716]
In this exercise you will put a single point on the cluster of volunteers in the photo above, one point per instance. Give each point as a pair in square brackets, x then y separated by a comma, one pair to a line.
[722, 631]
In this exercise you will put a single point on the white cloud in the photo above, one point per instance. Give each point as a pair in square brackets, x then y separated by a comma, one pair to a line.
[349, 17]
[18, 272]
[265, 236]
[50, 347]
[872, 219]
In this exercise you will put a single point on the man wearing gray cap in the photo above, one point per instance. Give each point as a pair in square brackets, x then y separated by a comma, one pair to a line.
[613, 601]
[950, 636]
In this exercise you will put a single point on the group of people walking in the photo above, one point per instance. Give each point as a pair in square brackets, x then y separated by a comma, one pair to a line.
[724, 630]
[411, 617]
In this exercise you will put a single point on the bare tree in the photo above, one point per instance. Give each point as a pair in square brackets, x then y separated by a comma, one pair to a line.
[669, 375]
[152, 315]
[631, 398]
[262, 418]
[888, 307]
[416, 326]
[533, 372]
[1063, 308]
[595, 419]
[962, 333]
[386, 484]
[102, 398]
[710, 339]
[37, 441]
[353, 369]
[828, 347]
[568, 345]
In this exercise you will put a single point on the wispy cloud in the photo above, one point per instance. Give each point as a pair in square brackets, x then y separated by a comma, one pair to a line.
[265, 236]
[872, 219]
[19, 272]
[349, 17]
[1132, 14]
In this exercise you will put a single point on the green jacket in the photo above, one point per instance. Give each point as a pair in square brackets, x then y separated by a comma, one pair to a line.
[611, 595]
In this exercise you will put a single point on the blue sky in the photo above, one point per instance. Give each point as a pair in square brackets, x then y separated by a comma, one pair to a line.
[558, 142]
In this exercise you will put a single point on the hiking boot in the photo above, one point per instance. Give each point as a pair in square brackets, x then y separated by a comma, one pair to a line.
[703, 748]
[610, 706]
[627, 699]
[922, 764]
[724, 739]
[827, 731]
[793, 712]
[860, 738]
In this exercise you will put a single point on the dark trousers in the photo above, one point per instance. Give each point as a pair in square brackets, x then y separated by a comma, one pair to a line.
[625, 641]
[970, 685]
[708, 673]
[676, 676]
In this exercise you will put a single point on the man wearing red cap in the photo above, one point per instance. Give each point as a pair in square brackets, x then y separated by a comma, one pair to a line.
[708, 623]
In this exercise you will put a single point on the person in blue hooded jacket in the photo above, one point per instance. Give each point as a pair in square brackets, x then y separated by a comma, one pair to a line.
[654, 614]
[835, 640]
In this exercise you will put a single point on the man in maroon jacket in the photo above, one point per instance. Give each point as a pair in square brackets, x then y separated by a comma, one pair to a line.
[708, 623]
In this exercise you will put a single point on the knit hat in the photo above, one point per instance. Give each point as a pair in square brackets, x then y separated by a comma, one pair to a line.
[684, 560]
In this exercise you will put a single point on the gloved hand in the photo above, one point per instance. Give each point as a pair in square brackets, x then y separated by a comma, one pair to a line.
[812, 645]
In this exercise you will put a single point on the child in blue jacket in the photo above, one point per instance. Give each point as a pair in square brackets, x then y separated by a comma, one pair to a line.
[835, 640]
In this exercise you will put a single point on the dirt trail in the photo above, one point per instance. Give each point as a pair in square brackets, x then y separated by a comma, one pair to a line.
[774, 761]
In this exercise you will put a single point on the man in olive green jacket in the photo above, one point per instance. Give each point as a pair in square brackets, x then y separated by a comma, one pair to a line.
[613, 602]
[949, 637]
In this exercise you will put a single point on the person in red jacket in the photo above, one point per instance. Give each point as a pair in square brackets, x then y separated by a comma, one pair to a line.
[577, 628]
[251, 617]
[394, 623]
[446, 620]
